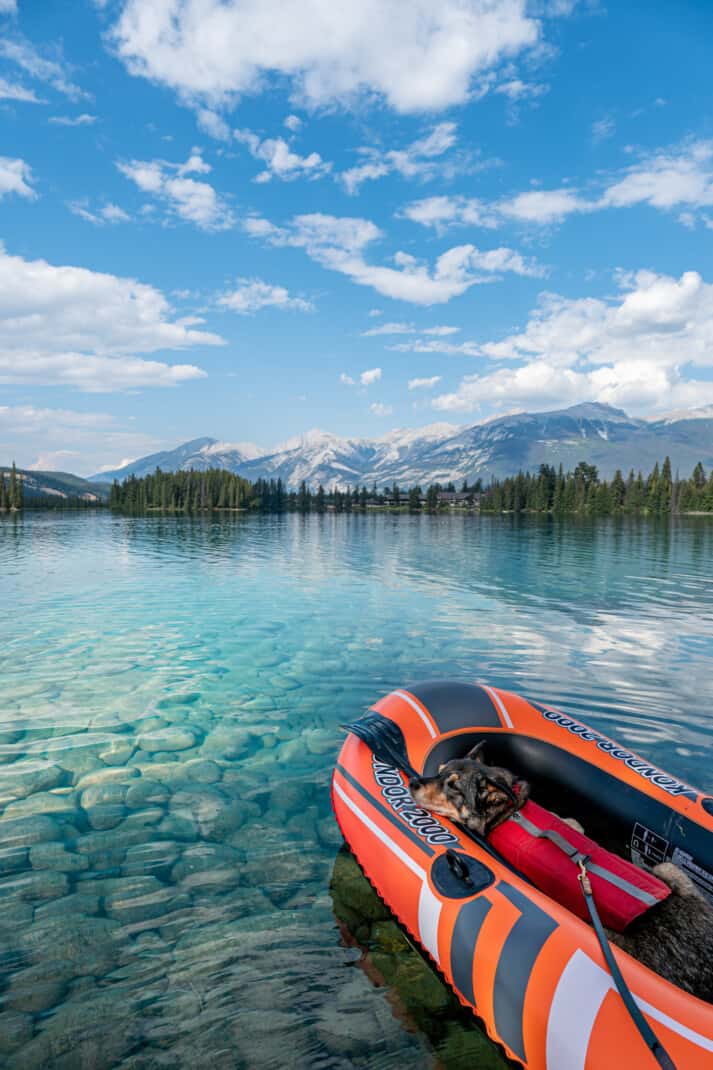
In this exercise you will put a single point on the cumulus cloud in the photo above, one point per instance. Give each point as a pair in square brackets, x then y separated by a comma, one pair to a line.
[638, 350]
[424, 384]
[279, 159]
[366, 378]
[71, 326]
[85, 119]
[415, 56]
[213, 124]
[15, 177]
[340, 244]
[378, 408]
[15, 91]
[603, 129]
[420, 159]
[293, 123]
[680, 178]
[372, 375]
[52, 71]
[443, 211]
[60, 439]
[250, 295]
[107, 213]
[191, 200]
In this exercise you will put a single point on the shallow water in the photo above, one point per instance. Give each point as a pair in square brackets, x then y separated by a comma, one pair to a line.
[170, 699]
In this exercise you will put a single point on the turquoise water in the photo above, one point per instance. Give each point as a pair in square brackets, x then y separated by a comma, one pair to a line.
[170, 699]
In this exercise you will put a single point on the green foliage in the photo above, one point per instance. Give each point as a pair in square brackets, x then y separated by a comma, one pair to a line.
[583, 492]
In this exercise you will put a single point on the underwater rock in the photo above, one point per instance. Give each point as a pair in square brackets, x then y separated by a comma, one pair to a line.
[35, 989]
[15, 1030]
[54, 856]
[139, 899]
[74, 905]
[145, 792]
[208, 867]
[202, 771]
[109, 775]
[24, 831]
[92, 1033]
[154, 859]
[215, 815]
[103, 804]
[166, 739]
[43, 884]
[24, 778]
[226, 741]
[12, 858]
[57, 801]
[118, 751]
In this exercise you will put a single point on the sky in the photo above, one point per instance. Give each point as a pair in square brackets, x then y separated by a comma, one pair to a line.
[249, 218]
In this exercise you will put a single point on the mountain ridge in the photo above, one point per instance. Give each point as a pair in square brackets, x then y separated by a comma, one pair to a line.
[593, 432]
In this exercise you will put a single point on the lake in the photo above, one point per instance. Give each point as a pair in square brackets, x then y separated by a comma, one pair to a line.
[172, 892]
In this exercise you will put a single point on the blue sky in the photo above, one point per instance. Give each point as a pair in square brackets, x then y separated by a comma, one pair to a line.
[250, 219]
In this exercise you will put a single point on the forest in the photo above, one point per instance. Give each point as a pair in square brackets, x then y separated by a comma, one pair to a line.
[549, 491]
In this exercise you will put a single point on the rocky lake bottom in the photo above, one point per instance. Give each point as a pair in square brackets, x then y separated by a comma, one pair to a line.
[172, 889]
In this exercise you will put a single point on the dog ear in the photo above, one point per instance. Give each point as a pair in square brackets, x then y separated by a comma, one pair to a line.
[474, 754]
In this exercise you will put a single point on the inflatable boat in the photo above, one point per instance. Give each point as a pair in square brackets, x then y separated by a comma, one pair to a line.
[531, 971]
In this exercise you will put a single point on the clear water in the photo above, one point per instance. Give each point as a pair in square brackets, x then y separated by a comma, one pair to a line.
[170, 699]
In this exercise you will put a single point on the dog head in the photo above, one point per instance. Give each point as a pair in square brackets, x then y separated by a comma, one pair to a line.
[467, 790]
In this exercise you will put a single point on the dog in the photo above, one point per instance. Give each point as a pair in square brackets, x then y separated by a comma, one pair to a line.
[674, 938]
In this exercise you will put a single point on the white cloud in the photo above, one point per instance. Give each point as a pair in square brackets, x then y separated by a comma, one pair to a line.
[279, 159]
[543, 206]
[14, 91]
[432, 345]
[250, 295]
[416, 56]
[515, 89]
[213, 124]
[339, 244]
[417, 160]
[672, 179]
[108, 213]
[424, 384]
[195, 202]
[15, 177]
[372, 375]
[347, 380]
[54, 72]
[293, 123]
[638, 350]
[378, 408]
[409, 328]
[375, 312]
[603, 129]
[73, 120]
[442, 211]
[71, 326]
[52, 439]
[8, 7]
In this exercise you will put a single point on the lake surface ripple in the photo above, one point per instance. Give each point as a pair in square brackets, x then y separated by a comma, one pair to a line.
[171, 893]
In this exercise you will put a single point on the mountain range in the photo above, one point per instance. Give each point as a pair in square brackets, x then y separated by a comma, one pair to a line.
[592, 432]
[57, 486]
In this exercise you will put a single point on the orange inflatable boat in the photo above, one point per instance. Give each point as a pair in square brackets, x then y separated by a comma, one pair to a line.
[532, 971]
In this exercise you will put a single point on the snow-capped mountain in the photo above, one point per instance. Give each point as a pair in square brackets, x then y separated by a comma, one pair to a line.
[598, 434]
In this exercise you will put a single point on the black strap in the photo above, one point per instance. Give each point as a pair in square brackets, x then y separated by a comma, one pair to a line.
[649, 1037]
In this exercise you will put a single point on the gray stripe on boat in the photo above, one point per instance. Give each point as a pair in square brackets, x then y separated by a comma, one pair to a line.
[517, 958]
[465, 936]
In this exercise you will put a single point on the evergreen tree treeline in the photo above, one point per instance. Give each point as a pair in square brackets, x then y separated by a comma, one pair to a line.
[11, 493]
[549, 490]
[583, 492]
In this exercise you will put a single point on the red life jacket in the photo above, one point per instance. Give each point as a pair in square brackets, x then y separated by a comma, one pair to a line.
[622, 891]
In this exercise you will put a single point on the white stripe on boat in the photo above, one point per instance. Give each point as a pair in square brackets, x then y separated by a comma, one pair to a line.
[499, 703]
[414, 705]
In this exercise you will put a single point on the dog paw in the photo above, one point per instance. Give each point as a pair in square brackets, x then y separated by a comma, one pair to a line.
[574, 824]
[675, 878]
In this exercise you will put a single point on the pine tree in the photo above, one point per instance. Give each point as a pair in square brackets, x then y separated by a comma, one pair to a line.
[3, 494]
[13, 492]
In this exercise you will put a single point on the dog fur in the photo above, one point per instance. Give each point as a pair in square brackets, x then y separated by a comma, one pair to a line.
[674, 938]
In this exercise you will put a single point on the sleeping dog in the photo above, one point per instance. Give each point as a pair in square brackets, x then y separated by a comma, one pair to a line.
[674, 938]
